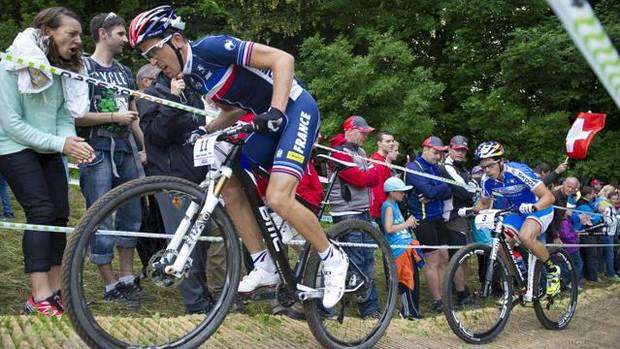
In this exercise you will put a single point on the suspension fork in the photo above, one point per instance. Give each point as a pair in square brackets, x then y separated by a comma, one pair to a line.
[177, 258]
[488, 276]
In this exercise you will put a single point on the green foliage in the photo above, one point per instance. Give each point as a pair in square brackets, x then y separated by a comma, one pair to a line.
[491, 69]
[382, 85]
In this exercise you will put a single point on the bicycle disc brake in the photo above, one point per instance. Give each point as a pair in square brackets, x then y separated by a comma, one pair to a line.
[358, 283]
[155, 271]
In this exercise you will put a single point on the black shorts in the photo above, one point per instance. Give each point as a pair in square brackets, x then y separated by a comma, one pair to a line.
[434, 232]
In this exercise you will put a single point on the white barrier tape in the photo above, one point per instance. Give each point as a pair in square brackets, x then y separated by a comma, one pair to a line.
[589, 36]
[209, 115]
[578, 211]
[68, 230]
[404, 169]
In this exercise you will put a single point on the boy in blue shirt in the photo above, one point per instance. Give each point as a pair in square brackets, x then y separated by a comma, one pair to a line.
[407, 260]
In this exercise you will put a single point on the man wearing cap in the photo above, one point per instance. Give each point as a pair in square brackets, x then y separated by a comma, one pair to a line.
[385, 144]
[597, 185]
[351, 196]
[453, 168]
[427, 208]
[458, 230]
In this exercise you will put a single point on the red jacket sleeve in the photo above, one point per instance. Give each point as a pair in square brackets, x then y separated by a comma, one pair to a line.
[356, 176]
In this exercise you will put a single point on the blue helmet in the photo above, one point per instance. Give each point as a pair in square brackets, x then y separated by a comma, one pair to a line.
[154, 23]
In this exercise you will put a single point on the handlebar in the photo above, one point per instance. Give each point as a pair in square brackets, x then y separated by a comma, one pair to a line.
[235, 130]
[512, 209]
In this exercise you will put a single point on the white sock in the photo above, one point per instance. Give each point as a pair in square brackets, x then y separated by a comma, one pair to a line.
[127, 280]
[111, 286]
[330, 255]
[263, 260]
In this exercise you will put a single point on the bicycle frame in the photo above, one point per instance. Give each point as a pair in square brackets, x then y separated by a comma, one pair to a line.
[177, 258]
[498, 237]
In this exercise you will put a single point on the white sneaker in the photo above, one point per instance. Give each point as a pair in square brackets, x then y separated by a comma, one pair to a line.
[258, 277]
[334, 277]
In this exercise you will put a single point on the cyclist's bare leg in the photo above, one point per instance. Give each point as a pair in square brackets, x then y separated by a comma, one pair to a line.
[530, 230]
[239, 209]
[281, 198]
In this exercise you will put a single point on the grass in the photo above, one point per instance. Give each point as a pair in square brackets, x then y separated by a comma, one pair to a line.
[14, 288]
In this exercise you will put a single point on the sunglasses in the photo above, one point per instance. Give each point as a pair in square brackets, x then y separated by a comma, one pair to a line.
[148, 53]
[489, 165]
[108, 17]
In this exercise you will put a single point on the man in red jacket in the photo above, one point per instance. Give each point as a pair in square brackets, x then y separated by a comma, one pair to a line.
[385, 144]
[350, 199]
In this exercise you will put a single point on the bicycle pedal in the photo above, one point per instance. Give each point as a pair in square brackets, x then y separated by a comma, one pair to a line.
[261, 293]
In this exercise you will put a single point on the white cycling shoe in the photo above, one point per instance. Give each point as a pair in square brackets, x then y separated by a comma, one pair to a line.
[257, 278]
[334, 277]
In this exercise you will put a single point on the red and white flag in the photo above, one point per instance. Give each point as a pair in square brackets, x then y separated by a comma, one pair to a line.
[581, 134]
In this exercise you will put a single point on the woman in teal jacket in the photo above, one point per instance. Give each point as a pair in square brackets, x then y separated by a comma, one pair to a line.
[35, 128]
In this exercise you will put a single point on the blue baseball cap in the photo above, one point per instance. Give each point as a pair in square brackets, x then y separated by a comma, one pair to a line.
[395, 184]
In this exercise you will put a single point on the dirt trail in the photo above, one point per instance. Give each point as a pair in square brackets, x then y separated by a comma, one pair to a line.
[596, 325]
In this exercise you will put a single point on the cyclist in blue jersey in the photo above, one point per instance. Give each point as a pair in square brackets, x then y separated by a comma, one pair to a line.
[241, 76]
[518, 186]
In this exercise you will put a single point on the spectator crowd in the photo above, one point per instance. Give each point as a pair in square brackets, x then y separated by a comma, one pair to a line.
[116, 138]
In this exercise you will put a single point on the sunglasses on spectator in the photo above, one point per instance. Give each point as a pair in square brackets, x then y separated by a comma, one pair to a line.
[108, 17]
[148, 53]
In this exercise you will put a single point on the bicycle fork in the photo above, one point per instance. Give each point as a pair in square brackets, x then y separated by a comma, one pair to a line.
[176, 260]
[488, 277]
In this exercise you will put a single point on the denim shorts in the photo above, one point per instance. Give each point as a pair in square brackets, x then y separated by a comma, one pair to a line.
[96, 179]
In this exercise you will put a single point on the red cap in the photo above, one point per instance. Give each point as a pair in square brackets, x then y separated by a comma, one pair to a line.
[459, 142]
[355, 122]
[435, 143]
[595, 182]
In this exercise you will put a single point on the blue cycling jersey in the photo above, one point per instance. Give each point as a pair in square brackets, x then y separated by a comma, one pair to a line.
[515, 188]
[218, 67]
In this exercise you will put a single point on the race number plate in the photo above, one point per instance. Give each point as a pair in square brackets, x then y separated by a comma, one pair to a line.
[486, 219]
[204, 151]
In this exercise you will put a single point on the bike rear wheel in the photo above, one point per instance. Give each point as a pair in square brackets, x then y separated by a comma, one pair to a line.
[555, 313]
[158, 315]
[477, 319]
[343, 326]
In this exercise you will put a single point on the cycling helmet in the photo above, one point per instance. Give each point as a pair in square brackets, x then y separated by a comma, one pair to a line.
[154, 23]
[490, 149]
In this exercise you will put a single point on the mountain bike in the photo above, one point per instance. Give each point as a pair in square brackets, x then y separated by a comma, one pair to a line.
[203, 220]
[498, 277]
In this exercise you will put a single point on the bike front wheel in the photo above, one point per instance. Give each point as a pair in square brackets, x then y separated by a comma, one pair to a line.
[474, 316]
[555, 312]
[149, 311]
[361, 317]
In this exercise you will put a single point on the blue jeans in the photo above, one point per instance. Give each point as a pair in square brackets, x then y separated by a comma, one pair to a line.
[96, 179]
[606, 260]
[4, 195]
[362, 257]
